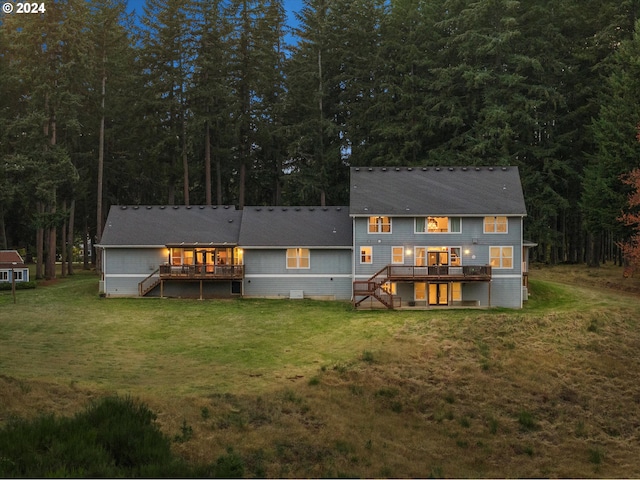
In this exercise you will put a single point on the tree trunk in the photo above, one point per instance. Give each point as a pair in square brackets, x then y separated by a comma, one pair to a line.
[70, 239]
[50, 266]
[593, 253]
[101, 161]
[85, 247]
[3, 232]
[207, 163]
[243, 173]
[40, 242]
[63, 242]
[185, 161]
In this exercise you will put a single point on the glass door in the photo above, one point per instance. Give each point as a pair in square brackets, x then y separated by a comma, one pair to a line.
[438, 294]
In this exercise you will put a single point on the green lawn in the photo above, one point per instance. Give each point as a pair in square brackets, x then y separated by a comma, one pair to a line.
[317, 389]
[67, 333]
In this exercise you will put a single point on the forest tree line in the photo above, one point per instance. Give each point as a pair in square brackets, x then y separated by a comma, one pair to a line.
[221, 102]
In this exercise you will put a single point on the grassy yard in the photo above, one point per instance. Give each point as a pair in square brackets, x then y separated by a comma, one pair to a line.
[316, 389]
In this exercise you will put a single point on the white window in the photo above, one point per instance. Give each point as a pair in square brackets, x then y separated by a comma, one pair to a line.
[379, 224]
[438, 225]
[501, 257]
[495, 224]
[4, 275]
[397, 255]
[18, 274]
[298, 258]
[366, 254]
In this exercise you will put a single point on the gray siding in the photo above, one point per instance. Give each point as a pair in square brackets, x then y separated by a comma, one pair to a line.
[125, 268]
[475, 250]
[329, 275]
[403, 235]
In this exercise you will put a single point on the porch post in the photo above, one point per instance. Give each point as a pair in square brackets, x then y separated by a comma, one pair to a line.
[200, 289]
[489, 294]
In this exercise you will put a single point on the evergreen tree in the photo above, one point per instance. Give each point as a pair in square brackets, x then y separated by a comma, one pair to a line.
[167, 66]
[617, 150]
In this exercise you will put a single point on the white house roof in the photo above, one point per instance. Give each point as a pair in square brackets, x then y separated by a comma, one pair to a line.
[411, 191]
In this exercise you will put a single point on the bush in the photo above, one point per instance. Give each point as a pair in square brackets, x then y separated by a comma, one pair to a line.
[19, 285]
[115, 437]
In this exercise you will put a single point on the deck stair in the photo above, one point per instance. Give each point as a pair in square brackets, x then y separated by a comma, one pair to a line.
[149, 283]
[373, 288]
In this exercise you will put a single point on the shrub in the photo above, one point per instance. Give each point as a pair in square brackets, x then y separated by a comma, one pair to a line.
[230, 465]
[114, 437]
[19, 285]
[526, 421]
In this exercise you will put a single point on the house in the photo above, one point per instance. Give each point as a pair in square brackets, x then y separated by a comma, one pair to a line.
[11, 264]
[218, 251]
[171, 251]
[438, 236]
[298, 252]
[421, 236]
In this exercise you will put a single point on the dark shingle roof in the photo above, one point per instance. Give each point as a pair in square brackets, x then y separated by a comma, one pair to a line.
[160, 225]
[436, 191]
[296, 227]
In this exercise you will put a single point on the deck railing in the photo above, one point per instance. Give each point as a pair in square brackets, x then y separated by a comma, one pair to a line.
[479, 272]
[208, 271]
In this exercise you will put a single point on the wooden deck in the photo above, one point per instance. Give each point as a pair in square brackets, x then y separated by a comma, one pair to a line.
[468, 273]
[201, 272]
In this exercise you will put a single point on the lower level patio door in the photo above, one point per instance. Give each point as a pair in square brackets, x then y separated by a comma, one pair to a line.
[438, 294]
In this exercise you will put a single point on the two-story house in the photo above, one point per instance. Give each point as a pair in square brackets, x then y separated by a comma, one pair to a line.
[438, 236]
[421, 236]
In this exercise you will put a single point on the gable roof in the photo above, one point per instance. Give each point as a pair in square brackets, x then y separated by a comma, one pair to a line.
[411, 191]
[171, 225]
[296, 227]
[9, 257]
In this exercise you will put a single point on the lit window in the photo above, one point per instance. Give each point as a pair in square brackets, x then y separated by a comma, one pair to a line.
[379, 224]
[438, 225]
[501, 257]
[297, 258]
[397, 255]
[366, 254]
[495, 224]
[176, 256]
[389, 287]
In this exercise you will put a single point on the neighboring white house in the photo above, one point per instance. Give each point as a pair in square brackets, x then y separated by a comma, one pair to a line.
[411, 236]
[11, 264]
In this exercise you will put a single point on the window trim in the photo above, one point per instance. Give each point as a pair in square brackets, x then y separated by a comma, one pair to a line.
[364, 255]
[502, 257]
[298, 257]
[426, 221]
[495, 224]
[379, 225]
[393, 262]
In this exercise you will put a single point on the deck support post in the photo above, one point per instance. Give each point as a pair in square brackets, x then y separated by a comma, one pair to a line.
[161, 288]
[200, 289]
